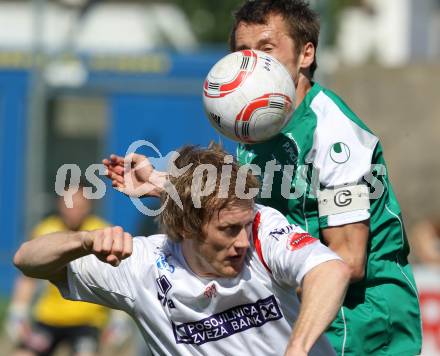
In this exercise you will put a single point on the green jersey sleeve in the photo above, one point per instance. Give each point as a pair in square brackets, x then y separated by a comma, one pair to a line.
[341, 156]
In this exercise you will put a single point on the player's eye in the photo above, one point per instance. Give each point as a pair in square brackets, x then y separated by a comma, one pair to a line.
[232, 230]
[267, 49]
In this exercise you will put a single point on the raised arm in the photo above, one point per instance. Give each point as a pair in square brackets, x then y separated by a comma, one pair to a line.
[47, 256]
[323, 291]
[134, 175]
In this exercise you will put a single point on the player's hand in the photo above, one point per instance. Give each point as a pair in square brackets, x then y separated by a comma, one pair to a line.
[110, 245]
[119, 330]
[134, 175]
[17, 324]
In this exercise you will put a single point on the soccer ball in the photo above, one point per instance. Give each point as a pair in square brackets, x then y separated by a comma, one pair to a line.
[248, 96]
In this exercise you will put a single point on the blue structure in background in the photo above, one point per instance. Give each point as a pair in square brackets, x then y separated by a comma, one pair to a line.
[155, 97]
[13, 97]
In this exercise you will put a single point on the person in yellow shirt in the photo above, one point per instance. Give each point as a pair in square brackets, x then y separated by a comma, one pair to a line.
[55, 320]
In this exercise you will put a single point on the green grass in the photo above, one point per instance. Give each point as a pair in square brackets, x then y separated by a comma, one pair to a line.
[4, 302]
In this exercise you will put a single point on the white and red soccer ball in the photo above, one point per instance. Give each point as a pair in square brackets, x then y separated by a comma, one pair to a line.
[249, 96]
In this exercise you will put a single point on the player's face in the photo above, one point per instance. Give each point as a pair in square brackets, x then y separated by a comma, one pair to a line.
[74, 216]
[222, 250]
[272, 38]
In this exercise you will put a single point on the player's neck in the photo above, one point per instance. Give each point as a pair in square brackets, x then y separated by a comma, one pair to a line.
[302, 88]
[193, 260]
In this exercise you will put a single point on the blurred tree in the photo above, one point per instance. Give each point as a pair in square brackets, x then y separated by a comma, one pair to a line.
[210, 20]
[330, 11]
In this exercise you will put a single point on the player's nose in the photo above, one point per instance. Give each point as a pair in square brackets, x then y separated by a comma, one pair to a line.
[242, 241]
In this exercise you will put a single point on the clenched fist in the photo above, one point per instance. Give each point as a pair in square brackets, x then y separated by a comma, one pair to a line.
[110, 245]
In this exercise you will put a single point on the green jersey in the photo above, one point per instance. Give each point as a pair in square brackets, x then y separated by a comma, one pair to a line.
[325, 169]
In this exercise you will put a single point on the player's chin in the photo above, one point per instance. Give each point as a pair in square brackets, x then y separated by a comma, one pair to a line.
[230, 272]
[233, 268]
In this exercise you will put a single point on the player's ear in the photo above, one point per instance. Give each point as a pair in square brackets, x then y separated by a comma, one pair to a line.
[186, 235]
[307, 55]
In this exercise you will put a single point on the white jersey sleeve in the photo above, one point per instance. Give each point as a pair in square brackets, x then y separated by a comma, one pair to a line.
[91, 280]
[341, 155]
[286, 250]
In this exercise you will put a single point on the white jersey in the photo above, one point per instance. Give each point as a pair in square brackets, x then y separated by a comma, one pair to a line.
[180, 313]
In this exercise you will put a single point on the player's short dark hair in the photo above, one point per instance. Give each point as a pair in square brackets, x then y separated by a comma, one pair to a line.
[80, 185]
[302, 21]
[188, 222]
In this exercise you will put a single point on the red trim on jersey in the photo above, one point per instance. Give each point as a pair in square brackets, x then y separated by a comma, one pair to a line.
[257, 242]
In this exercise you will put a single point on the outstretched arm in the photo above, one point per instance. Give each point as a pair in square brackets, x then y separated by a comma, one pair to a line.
[134, 175]
[47, 256]
[323, 291]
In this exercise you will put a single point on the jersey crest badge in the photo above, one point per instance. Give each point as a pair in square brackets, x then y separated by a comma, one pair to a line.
[299, 240]
[162, 263]
[339, 152]
[210, 291]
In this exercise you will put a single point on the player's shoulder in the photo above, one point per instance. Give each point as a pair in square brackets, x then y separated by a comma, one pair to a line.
[152, 240]
[329, 106]
[146, 249]
[269, 221]
[50, 220]
[93, 222]
[154, 244]
[266, 212]
[49, 224]
[323, 97]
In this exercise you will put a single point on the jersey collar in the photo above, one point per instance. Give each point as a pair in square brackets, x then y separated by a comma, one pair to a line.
[298, 113]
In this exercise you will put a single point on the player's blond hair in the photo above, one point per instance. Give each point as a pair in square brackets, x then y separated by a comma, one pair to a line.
[178, 223]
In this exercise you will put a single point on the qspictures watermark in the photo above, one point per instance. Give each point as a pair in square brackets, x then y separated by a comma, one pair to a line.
[296, 182]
